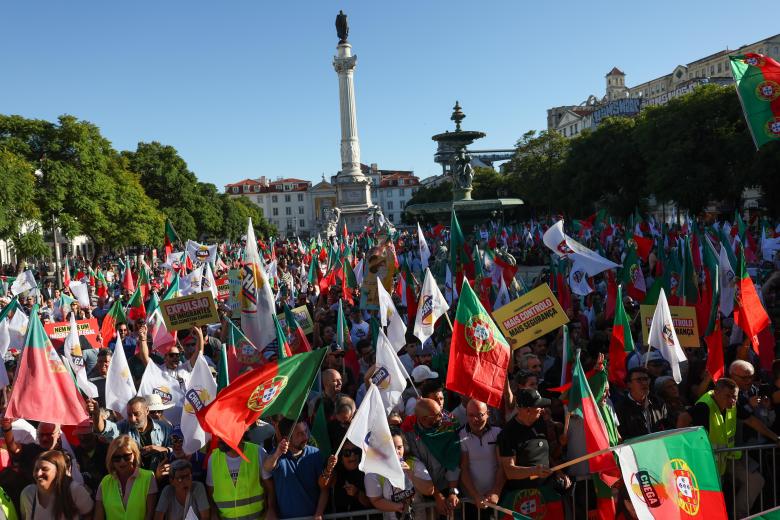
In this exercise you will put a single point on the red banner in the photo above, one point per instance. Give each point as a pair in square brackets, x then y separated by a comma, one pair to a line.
[223, 288]
[58, 331]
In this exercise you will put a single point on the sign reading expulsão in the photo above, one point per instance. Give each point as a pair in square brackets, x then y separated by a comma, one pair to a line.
[684, 321]
[532, 315]
[189, 311]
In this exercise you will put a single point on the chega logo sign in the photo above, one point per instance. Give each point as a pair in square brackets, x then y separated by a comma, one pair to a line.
[381, 378]
[678, 484]
[427, 310]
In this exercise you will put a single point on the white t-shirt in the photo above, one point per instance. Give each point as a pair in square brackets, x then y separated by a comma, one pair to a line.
[359, 331]
[377, 486]
[483, 461]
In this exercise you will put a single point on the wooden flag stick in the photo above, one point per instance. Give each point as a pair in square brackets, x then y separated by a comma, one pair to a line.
[582, 458]
[448, 321]
[501, 509]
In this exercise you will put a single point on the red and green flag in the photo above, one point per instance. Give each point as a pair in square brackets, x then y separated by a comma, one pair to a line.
[672, 475]
[115, 316]
[300, 342]
[44, 389]
[632, 277]
[319, 430]
[281, 341]
[620, 344]
[170, 238]
[458, 255]
[135, 306]
[342, 332]
[757, 79]
[479, 354]
[582, 403]
[277, 388]
[127, 280]
[144, 283]
[749, 312]
[66, 274]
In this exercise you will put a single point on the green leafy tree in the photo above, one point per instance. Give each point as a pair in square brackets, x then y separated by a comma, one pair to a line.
[535, 172]
[19, 213]
[236, 211]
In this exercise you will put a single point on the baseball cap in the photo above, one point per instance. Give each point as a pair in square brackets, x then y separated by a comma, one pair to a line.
[529, 398]
[652, 356]
[423, 373]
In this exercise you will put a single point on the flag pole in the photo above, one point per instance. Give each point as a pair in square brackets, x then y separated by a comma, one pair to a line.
[581, 459]
[501, 509]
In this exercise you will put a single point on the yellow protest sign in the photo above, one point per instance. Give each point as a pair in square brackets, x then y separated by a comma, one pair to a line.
[303, 318]
[530, 316]
[683, 319]
[185, 312]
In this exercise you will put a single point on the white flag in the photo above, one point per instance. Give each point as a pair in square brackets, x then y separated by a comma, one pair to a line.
[727, 282]
[390, 375]
[358, 272]
[769, 246]
[503, 296]
[201, 253]
[23, 283]
[191, 283]
[370, 432]
[450, 291]
[17, 328]
[201, 390]
[430, 308]
[578, 280]
[81, 291]
[256, 299]
[425, 253]
[566, 247]
[156, 381]
[72, 351]
[208, 283]
[5, 341]
[396, 330]
[119, 383]
[663, 337]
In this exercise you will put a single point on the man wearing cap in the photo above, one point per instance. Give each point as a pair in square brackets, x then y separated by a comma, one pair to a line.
[640, 412]
[522, 444]
[419, 375]
[152, 436]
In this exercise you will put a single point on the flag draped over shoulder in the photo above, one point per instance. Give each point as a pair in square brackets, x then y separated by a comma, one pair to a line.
[44, 389]
[672, 475]
[479, 354]
[276, 388]
[757, 79]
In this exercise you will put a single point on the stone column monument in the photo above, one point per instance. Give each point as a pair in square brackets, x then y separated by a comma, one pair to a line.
[352, 186]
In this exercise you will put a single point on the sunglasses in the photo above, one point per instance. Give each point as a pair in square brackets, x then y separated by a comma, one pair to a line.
[349, 452]
[176, 438]
[172, 354]
[127, 457]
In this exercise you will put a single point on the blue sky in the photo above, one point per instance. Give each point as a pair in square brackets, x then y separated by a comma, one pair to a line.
[245, 88]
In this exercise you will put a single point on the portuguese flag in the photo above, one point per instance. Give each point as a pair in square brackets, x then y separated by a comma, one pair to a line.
[44, 389]
[582, 403]
[136, 310]
[114, 317]
[300, 342]
[281, 341]
[620, 344]
[758, 86]
[277, 388]
[672, 475]
[479, 354]
[170, 238]
[749, 313]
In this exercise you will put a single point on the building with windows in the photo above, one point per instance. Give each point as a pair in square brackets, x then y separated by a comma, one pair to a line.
[621, 100]
[297, 208]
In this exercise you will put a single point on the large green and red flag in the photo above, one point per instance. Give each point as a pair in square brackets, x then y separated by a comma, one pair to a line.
[44, 389]
[115, 316]
[170, 238]
[135, 306]
[757, 79]
[281, 341]
[620, 344]
[582, 403]
[277, 388]
[127, 280]
[749, 312]
[672, 475]
[479, 354]
[632, 277]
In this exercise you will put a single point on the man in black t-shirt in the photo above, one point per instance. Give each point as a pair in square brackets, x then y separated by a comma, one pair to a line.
[522, 444]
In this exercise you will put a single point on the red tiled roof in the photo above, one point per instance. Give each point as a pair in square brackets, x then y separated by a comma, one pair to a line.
[250, 182]
[617, 71]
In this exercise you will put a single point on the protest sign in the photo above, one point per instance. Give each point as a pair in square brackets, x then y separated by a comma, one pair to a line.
[530, 316]
[303, 318]
[234, 281]
[683, 319]
[59, 330]
[223, 288]
[189, 311]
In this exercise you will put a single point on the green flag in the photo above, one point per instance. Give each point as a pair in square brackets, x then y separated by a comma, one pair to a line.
[756, 79]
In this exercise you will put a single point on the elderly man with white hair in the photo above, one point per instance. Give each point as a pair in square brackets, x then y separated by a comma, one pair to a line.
[751, 401]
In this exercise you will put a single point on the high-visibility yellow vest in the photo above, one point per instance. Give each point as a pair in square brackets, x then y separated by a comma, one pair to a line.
[7, 506]
[723, 431]
[136, 504]
[243, 499]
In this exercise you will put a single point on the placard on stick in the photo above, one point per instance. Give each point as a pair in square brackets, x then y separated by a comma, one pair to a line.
[530, 316]
[189, 311]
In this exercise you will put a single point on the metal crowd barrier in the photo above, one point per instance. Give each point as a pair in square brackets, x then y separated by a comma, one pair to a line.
[425, 510]
[761, 459]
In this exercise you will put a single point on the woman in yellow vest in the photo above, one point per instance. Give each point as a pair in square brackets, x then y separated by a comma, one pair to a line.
[7, 509]
[128, 492]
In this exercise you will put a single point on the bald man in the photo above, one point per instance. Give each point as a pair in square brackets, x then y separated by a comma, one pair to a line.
[481, 474]
[434, 441]
[331, 389]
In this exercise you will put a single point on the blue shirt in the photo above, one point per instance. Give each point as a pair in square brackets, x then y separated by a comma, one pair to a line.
[129, 343]
[295, 483]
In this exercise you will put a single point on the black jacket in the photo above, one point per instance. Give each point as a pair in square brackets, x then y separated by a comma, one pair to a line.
[636, 421]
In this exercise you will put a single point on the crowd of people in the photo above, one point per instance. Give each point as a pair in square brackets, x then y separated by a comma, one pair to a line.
[457, 453]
